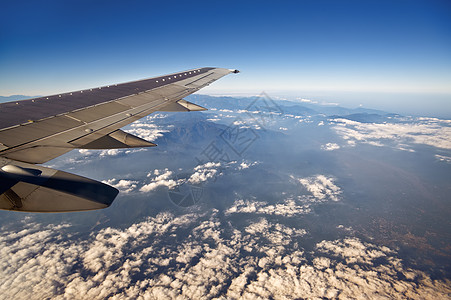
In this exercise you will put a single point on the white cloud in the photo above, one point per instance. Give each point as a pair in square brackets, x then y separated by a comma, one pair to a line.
[129, 151]
[277, 234]
[349, 229]
[351, 143]
[443, 158]
[330, 103]
[204, 172]
[162, 178]
[286, 208]
[200, 174]
[226, 116]
[330, 147]
[125, 186]
[242, 111]
[148, 130]
[328, 277]
[246, 165]
[427, 131]
[307, 100]
[352, 250]
[149, 134]
[85, 152]
[321, 187]
[243, 166]
[110, 152]
[156, 116]
[152, 259]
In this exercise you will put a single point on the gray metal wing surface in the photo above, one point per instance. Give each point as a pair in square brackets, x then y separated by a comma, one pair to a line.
[34, 131]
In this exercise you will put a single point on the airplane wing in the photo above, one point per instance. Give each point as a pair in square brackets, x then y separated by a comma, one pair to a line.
[34, 131]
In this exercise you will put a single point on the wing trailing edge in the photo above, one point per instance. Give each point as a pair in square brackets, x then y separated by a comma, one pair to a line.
[34, 131]
[182, 105]
[117, 139]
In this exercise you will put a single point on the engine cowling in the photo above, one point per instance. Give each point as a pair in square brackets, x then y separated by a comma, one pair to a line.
[33, 188]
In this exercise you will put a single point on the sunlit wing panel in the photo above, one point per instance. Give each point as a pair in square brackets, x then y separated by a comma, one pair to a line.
[37, 130]
[40, 129]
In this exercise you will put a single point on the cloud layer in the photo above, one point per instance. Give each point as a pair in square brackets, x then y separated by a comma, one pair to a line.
[151, 259]
[427, 131]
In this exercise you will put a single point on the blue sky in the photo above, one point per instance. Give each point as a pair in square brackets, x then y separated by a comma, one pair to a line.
[374, 50]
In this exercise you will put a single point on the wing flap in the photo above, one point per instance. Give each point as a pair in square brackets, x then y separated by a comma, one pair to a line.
[182, 105]
[115, 140]
[37, 130]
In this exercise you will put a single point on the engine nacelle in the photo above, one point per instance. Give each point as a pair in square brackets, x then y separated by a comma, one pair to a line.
[33, 188]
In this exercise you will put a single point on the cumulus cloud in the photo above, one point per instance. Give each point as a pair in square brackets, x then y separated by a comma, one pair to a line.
[239, 122]
[104, 153]
[152, 259]
[241, 111]
[443, 158]
[427, 131]
[85, 151]
[246, 165]
[277, 234]
[307, 100]
[352, 250]
[213, 119]
[125, 186]
[321, 187]
[328, 277]
[159, 178]
[200, 174]
[330, 147]
[305, 120]
[147, 129]
[110, 152]
[204, 172]
[286, 208]
[404, 147]
[342, 227]
[149, 132]
[101, 153]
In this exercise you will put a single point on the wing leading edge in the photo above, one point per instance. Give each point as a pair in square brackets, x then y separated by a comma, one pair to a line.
[34, 131]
